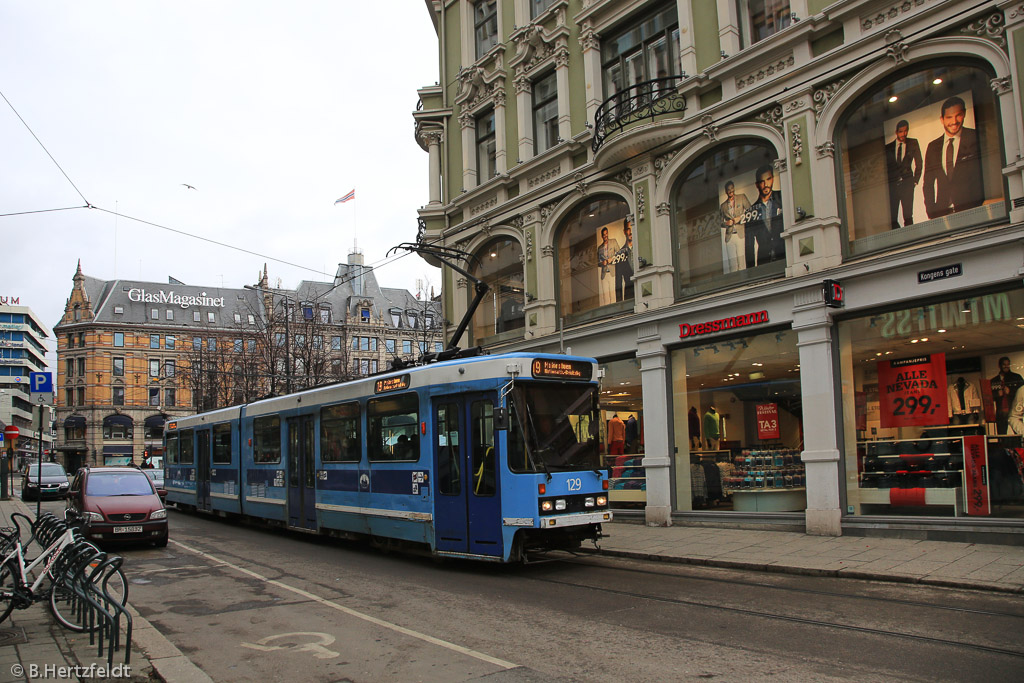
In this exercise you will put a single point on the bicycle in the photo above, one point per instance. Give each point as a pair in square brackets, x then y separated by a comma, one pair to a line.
[67, 560]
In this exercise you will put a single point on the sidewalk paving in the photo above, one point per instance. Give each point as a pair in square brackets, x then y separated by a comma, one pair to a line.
[33, 646]
[938, 563]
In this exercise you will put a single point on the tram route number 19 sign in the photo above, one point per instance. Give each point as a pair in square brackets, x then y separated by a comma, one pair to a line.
[768, 421]
[912, 391]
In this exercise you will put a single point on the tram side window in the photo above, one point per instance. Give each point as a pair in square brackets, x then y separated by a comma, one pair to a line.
[222, 444]
[171, 450]
[484, 467]
[266, 442]
[339, 433]
[185, 449]
[448, 480]
[394, 428]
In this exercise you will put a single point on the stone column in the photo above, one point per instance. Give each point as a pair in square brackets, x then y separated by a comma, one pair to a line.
[591, 44]
[524, 109]
[469, 170]
[500, 143]
[562, 85]
[657, 450]
[813, 325]
[434, 138]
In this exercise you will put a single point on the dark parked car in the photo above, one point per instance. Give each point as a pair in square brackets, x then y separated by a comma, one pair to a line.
[118, 504]
[54, 482]
[157, 475]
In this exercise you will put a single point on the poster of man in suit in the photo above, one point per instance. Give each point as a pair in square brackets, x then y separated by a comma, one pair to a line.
[952, 162]
[763, 241]
[734, 210]
[615, 262]
[903, 165]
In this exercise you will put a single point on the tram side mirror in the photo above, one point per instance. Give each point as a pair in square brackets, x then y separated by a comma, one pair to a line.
[501, 418]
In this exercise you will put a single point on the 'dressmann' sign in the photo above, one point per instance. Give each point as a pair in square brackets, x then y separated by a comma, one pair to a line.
[723, 324]
[183, 300]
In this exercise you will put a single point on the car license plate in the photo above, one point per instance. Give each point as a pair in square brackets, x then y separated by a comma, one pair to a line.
[127, 529]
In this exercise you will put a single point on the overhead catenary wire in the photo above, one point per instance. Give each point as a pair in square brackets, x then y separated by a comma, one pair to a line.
[40, 142]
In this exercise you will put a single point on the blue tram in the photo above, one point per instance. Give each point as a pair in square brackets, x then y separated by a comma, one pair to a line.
[487, 457]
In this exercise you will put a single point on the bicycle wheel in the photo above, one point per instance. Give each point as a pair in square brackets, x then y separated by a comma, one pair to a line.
[8, 582]
[68, 609]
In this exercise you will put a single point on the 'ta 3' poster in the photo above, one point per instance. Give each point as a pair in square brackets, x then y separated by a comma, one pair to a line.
[912, 391]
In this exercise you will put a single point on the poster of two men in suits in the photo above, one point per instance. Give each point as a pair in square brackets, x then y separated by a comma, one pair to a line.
[947, 176]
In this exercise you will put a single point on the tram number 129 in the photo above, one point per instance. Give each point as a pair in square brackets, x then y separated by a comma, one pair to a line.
[575, 484]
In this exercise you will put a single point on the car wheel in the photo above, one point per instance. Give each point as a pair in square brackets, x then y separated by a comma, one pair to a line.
[162, 543]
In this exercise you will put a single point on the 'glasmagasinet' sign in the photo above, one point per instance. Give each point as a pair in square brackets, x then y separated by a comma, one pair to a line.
[183, 300]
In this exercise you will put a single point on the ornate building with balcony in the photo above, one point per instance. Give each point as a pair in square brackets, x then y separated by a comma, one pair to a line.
[790, 231]
[133, 354]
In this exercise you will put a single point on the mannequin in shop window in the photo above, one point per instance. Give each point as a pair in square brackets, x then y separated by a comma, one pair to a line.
[616, 435]
[1015, 421]
[712, 427]
[694, 420]
[632, 434]
[964, 402]
[1004, 389]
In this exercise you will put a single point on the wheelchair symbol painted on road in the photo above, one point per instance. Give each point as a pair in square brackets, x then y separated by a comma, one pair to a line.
[291, 642]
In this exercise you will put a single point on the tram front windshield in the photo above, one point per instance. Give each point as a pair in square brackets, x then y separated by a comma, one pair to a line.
[553, 427]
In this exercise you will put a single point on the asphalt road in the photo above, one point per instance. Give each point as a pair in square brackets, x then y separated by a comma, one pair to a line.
[251, 604]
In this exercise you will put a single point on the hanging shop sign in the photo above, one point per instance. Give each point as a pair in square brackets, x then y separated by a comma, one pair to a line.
[768, 421]
[976, 472]
[912, 391]
[723, 324]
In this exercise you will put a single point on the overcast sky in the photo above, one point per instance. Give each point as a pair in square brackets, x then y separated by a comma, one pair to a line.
[271, 110]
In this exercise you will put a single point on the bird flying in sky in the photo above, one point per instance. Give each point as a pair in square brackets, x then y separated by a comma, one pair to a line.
[189, 186]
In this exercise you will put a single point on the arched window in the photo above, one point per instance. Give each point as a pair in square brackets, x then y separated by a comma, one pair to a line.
[595, 256]
[918, 156]
[728, 218]
[499, 265]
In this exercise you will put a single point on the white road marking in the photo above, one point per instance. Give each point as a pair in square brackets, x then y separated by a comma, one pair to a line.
[351, 612]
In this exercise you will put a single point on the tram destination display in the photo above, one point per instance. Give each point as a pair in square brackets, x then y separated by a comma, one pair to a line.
[553, 368]
[383, 386]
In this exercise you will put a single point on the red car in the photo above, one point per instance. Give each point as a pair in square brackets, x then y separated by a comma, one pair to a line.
[118, 504]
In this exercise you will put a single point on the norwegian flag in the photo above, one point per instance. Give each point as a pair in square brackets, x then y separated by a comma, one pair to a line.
[351, 195]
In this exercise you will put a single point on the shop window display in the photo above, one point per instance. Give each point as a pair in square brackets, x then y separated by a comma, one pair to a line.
[729, 218]
[622, 431]
[738, 412]
[595, 256]
[920, 156]
[499, 265]
[934, 410]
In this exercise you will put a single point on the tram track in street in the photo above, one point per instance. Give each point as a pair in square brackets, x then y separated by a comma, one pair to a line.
[808, 591]
[794, 619]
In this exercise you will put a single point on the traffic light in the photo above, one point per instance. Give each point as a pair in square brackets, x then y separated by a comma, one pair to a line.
[833, 294]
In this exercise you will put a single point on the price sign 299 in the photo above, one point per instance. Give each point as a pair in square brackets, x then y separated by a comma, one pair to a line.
[912, 391]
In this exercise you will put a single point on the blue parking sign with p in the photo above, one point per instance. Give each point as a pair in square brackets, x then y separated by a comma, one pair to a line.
[41, 384]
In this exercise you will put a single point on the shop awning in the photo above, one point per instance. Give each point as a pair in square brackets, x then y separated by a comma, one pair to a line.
[75, 421]
[154, 421]
[111, 420]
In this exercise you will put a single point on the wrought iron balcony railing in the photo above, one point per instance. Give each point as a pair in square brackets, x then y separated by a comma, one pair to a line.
[645, 100]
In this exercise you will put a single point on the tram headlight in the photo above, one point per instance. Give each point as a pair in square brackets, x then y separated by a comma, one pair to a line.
[546, 506]
[588, 502]
[560, 504]
[602, 501]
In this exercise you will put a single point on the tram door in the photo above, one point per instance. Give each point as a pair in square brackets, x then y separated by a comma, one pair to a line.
[301, 473]
[203, 469]
[467, 501]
